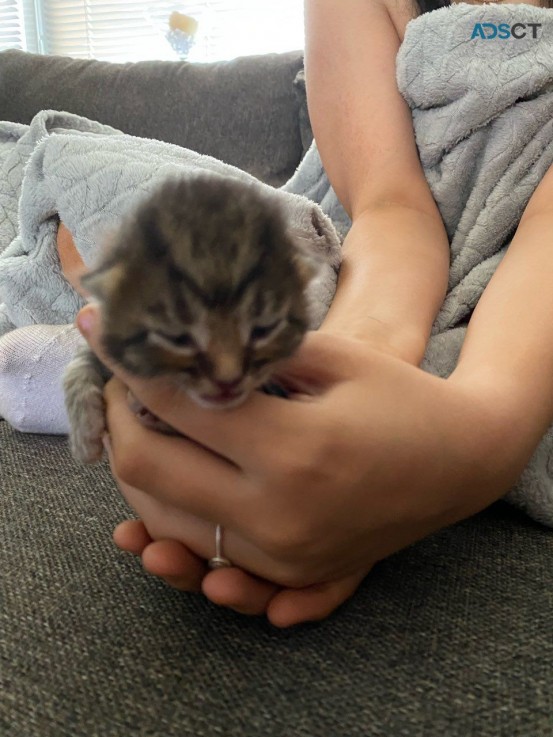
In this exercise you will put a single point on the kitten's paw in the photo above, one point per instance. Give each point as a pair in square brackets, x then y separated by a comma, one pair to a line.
[87, 427]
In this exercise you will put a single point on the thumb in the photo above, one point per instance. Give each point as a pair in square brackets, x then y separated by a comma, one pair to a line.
[88, 322]
[324, 358]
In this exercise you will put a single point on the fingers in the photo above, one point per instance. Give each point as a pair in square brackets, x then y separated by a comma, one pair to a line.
[131, 536]
[248, 594]
[238, 590]
[313, 603]
[192, 476]
[168, 559]
[232, 587]
[181, 569]
[324, 359]
[175, 563]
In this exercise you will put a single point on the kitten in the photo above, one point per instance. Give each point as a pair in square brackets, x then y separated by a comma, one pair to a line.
[202, 283]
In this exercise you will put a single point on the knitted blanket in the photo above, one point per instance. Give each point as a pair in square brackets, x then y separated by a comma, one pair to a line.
[479, 82]
[65, 167]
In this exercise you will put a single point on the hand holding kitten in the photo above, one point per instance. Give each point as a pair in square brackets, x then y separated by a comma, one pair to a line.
[311, 491]
[205, 283]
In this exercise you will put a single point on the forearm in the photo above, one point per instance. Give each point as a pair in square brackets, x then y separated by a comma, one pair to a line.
[393, 279]
[508, 348]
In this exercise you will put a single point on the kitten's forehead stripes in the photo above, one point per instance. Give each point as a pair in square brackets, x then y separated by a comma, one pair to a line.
[155, 241]
[222, 294]
[134, 339]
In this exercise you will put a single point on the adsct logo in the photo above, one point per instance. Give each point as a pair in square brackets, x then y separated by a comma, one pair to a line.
[488, 31]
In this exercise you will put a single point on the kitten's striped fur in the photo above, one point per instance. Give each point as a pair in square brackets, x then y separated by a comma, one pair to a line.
[204, 283]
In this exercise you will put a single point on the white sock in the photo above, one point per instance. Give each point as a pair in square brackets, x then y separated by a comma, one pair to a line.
[32, 362]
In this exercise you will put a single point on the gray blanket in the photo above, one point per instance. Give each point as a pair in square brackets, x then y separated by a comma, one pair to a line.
[65, 167]
[483, 118]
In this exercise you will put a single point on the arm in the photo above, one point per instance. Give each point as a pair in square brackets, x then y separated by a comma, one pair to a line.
[508, 347]
[396, 257]
[71, 263]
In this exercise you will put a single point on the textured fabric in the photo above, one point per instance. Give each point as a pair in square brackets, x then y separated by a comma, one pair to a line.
[89, 176]
[483, 117]
[244, 111]
[449, 637]
[32, 362]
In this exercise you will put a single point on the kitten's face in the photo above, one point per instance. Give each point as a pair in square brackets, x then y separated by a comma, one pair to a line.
[223, 354]
[204, 285]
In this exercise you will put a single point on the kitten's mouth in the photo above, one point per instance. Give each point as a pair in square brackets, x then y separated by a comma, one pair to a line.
[223, 399]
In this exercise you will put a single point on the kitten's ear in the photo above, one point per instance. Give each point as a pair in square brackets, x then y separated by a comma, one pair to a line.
[314, 236]
[104, 281]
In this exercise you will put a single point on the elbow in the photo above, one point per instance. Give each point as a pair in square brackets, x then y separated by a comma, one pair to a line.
[422, 206]
[361, 200]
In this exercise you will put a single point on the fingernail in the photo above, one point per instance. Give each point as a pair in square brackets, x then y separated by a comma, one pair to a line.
[86, 320]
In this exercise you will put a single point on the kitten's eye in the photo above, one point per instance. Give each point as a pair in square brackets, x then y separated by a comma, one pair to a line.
[184, 340]
[259, 332]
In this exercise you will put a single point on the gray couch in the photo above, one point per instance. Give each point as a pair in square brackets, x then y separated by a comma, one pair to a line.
[453, 636]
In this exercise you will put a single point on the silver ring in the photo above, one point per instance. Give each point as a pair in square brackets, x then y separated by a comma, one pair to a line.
[219, 561]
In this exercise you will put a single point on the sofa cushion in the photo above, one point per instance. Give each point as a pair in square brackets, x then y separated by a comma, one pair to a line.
[451, 636]
[244, 111]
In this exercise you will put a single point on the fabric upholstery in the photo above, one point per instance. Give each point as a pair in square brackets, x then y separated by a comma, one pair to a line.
[450, 637]
[244, 112]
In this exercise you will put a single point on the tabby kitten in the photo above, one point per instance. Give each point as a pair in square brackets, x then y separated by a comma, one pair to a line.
[202, 283]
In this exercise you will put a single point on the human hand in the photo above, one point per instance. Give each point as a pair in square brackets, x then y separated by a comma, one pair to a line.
[311, 491]
[179, 567]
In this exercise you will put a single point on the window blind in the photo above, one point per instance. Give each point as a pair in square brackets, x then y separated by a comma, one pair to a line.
[130, 30]
[18, 26]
